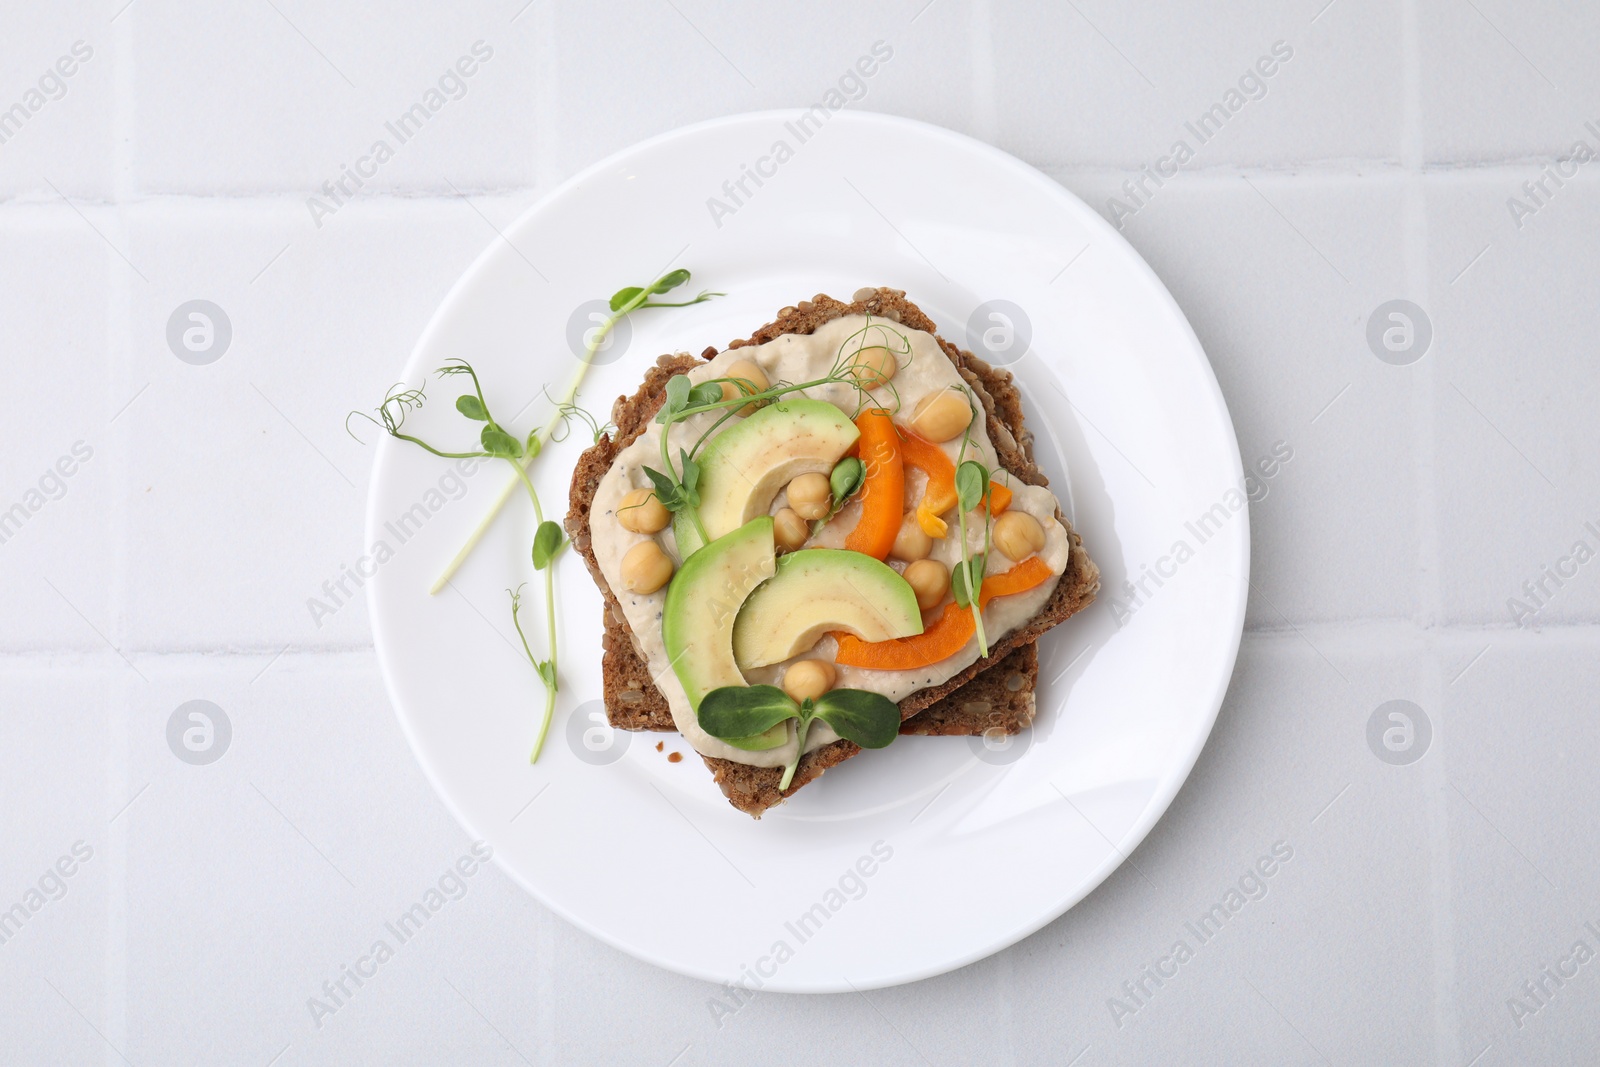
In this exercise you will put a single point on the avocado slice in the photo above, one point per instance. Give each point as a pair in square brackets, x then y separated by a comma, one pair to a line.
[817, 590]
[744, 466]
[702, 602]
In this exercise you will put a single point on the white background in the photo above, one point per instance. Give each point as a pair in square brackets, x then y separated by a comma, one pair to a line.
[219, 498]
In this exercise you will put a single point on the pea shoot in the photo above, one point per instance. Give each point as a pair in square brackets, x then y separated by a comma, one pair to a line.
[972, 489]
[740, 714]
[623, 302]
[677, 486]
[495, 442]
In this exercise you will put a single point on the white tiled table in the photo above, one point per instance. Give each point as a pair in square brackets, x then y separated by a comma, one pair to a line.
[177, 560]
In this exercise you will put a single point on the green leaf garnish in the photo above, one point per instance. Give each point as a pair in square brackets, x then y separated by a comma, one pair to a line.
[496, 442]
[972, 486]
[972, 482]
[704, 393]
[666, 490]
[689, 480]
[546, 543]
[623, 303]
[678, 388]
[739, 714]
[736, 713]
[958, 580]
[846, 479]
[869, 719]
[670, 280]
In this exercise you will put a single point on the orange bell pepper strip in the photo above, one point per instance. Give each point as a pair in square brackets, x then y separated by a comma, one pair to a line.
[946, 635]
[883, 490]
[940, 495]
[1000, 496]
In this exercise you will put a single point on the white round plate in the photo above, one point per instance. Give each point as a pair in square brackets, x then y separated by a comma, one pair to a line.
[900, 863]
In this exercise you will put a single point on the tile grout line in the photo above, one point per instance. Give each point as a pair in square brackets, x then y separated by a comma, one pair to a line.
[985, 124]
[1430, 684]
[1342, 635]
[120, 346]
[1211, 175]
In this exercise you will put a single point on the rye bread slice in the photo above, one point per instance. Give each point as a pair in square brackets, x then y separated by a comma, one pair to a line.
[995, 692]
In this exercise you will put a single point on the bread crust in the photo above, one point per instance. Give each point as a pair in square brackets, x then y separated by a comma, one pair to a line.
[996, 692]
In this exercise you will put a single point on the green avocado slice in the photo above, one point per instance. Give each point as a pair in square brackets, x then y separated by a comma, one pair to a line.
[743, 467]
[816, 590]
[702, 603]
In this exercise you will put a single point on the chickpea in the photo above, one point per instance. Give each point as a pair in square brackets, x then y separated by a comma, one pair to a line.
[872, 366]
[941, 416]
[811, 496]
[930, 580]
[789, 530]
[1018, 535]
[808, 679]
[749, 373]
[912, 542]
[646, 568]
[641, 512]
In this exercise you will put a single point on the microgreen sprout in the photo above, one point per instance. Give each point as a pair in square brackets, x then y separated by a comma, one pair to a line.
[496, 442]
[623, 302]
[571, 412]
[546, 669]
[972, 489]
[739, 714]
[844, 481]
[874, 334]
[677, 487]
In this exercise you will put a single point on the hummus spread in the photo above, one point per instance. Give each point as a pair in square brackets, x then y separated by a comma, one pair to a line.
[802, 358]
